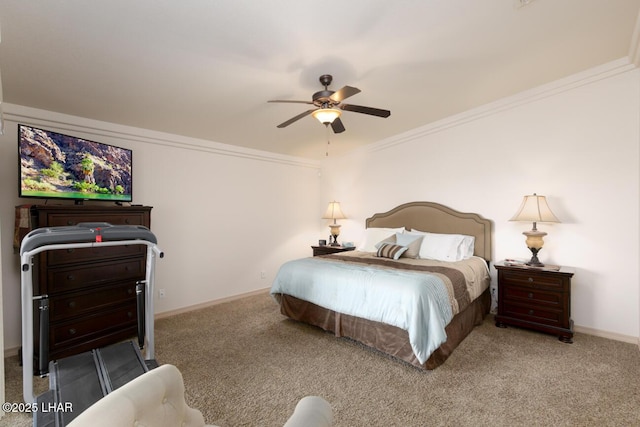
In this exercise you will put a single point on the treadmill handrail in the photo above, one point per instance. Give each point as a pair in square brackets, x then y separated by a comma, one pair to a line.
[87, 232]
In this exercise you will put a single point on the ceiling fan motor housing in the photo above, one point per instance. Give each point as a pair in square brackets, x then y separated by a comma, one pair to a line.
[323, 97]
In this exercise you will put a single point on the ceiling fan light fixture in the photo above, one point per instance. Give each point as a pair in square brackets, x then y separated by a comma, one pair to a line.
[326, 116]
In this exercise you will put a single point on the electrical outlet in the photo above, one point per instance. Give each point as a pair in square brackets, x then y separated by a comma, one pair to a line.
[263, 274]
[161, 293]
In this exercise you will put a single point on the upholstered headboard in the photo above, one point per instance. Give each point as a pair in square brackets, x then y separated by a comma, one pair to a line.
[437, 218]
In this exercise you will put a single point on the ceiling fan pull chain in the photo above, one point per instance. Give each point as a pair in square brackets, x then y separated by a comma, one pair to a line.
[328, 139]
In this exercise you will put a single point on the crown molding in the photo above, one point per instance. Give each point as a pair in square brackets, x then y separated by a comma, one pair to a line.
[67, 123]
[592, 75]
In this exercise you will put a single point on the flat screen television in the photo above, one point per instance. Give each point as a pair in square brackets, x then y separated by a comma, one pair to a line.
[53, 165]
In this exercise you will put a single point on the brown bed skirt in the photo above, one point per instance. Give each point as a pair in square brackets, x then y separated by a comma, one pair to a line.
[386, 338]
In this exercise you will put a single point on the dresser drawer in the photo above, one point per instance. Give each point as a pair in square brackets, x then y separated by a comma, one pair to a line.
[78, 277]
[533, 313]
[67, 256]
[533, 281]
[114, 218]
[85, 303]
[90, 327]
[533, 296]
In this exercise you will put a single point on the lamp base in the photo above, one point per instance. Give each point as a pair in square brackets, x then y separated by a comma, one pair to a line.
[335, 232]
[534, 261]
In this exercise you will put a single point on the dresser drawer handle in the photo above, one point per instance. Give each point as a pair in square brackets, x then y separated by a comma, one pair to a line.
[531, 312]
[530, 279]
[72, 250]
[72, 331]
[129, 314]
[72, 304]
[126, 221]
[530, 295]
[69, 222]
[71, 277]
[129, 291]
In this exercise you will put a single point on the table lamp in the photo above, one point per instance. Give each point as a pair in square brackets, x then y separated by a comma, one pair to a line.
[334, 212]
[534, 208]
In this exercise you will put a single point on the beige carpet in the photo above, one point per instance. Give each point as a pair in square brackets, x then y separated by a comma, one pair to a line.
[244, 364]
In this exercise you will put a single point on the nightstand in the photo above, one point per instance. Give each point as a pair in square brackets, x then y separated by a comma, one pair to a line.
[537, 298]
[326, 250]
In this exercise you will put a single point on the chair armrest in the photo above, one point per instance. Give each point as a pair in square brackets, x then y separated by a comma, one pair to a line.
[311, 411]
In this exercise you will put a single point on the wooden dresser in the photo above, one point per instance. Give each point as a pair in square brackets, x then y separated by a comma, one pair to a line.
[535, 298]
[91, 291]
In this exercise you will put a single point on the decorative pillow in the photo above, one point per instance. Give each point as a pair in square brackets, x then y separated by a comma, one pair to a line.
[445, 247]
[390, 239]
[412, 242]
[375, 235]
[389, 250]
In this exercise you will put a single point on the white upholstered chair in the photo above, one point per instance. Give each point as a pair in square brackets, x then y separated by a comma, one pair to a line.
[156, 399]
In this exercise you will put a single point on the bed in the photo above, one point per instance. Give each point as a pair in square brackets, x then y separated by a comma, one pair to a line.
[421, 330]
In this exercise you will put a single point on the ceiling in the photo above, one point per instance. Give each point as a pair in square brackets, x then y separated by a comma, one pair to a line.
[206, 68]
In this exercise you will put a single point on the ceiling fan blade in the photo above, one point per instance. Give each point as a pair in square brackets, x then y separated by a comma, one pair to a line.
[365, 110]
[296, 118]
[344, 93]
[290, 101]
[337, 126]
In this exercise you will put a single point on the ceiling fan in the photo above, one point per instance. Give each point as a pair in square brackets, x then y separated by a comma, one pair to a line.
[329, 105]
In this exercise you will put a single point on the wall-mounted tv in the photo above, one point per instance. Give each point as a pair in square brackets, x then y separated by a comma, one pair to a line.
[53, 165]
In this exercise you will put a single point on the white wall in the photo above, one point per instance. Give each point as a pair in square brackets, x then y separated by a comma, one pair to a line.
[222, 215]
[575, 141]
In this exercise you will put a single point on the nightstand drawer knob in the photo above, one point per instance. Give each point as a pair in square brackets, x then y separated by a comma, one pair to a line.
[530, 279]
[531, 312]
[530, 295]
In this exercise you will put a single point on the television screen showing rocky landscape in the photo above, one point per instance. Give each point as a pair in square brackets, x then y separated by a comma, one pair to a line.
[53, 165]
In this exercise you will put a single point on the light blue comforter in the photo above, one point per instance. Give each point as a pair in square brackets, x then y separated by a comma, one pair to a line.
[417, 302]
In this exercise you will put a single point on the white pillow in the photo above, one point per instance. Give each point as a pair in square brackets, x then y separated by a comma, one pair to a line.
[445, 247]
[467, 246]
[374, 235]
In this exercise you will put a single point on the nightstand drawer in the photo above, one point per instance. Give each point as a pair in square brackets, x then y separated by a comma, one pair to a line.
[534, 313]
[534, 280]
[532, 296]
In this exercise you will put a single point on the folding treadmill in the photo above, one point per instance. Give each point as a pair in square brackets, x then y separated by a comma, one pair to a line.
[78, 381]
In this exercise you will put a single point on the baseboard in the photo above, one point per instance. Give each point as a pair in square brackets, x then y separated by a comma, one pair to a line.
[10, 352]
[610, 335]
[209, 303]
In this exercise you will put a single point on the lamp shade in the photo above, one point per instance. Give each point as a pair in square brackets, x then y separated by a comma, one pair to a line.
[326, 115]
[333, 211]
[534, 208]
